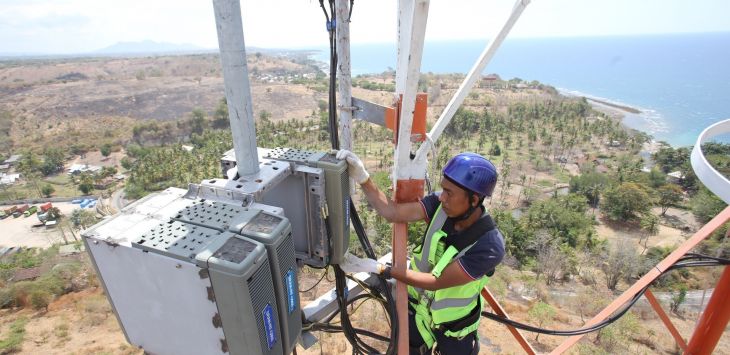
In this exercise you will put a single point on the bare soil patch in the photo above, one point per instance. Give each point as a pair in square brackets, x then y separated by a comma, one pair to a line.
[88, 101]
[22, 231]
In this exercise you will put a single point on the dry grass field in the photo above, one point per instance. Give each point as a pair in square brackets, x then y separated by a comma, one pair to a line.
[98, 100]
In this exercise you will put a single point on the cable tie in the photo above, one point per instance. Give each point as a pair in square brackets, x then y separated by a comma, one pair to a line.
[348, 108]
[331, 25]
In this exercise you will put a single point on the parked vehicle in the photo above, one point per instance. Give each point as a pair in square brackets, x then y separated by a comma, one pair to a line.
[46, 206]
[18, 212]
[11, 210]
[3, 215]
[30, 211]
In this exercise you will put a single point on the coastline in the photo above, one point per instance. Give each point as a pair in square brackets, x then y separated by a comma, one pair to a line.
[628, 109]
[618, 112]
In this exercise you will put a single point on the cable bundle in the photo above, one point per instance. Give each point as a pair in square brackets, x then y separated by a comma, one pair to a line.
[382, 293]
[689, 260]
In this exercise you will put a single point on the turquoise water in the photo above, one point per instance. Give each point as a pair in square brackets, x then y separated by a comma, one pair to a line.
[681, 83]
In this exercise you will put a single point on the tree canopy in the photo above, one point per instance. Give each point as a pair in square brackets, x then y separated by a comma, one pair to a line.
[627, 201]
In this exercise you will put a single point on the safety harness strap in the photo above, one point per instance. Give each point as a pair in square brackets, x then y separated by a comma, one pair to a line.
[444, 261]
[463, 239]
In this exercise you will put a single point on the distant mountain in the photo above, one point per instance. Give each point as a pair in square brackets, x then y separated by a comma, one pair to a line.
[148, 46]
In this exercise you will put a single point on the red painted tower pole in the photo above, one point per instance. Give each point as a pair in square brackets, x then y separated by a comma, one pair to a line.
[714, 319]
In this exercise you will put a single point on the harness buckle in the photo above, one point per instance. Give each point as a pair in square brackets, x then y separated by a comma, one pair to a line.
[426, 300]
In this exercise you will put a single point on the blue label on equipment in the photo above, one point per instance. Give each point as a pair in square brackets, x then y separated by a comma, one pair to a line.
[269, 325]
[291, 290]
[347, 214]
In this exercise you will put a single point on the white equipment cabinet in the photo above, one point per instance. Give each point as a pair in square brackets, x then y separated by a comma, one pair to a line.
[179, 286]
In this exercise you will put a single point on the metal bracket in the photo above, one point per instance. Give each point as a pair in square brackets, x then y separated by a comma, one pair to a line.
[389, 117]
[369, 111]
[217, 322]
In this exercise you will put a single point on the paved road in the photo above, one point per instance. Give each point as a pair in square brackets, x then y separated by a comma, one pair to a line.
[694, 299]
[118, 201]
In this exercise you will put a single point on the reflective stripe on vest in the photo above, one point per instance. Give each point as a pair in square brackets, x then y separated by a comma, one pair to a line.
[452, 302]
[437, 222]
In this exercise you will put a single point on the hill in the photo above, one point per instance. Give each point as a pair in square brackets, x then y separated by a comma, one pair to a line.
[86, 102]
[149, 47]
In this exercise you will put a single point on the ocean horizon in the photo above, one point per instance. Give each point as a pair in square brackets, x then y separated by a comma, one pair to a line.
[679, 82]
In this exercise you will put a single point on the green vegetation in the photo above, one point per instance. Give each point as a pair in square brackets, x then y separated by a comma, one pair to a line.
[106, 149]
[83, 218]
[627, 201]
[371, 85]
[590, 185]
[59, 278]
[678, 298]
[616, 337]
[12, 341]
[85, 183]
[6, 123]
[220, 116]
[161, 167]
[705, 205]
[27, 258]
[541, 314]
[669, 195]
[48, 190]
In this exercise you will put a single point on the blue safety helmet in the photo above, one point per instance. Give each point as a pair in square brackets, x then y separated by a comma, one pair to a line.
[472, 172]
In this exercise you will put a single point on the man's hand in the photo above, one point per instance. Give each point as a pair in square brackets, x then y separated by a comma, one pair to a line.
[356, 168]
[353, 264]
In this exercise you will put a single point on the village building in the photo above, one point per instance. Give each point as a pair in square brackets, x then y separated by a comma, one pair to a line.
[13, 160]
[8, 179]
[105, 183]
[80, 168]
[674, 177]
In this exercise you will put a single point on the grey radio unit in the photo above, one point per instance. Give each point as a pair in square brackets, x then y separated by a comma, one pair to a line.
[271, 230]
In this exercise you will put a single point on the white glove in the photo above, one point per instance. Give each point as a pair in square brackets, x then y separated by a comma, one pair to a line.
[353, 264]
[356, 169]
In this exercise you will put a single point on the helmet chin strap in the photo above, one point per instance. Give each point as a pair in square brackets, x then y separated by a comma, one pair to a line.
[471, 209]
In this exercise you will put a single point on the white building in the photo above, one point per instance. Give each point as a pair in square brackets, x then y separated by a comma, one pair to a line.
[80, 168]
[675, 176]
[8, 179]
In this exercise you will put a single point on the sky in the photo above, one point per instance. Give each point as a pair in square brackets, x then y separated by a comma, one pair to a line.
[79, 26]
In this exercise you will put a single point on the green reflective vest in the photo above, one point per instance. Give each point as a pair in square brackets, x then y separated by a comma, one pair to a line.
[434, 309]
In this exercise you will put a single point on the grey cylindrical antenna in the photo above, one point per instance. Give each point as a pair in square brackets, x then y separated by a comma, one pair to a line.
[238, 89]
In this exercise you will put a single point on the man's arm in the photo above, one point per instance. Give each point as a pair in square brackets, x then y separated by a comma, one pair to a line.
[390, 210]
[387, 208]
[453, 275]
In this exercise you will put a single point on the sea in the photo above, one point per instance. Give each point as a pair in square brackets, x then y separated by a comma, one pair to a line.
[679, 82]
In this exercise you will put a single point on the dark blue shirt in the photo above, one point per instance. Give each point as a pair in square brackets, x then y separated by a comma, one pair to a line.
[483, 256]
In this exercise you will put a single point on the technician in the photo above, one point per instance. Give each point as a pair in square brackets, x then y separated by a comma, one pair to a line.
[449, 268]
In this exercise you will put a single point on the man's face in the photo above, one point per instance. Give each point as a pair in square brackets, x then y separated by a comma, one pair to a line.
[454, 200]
